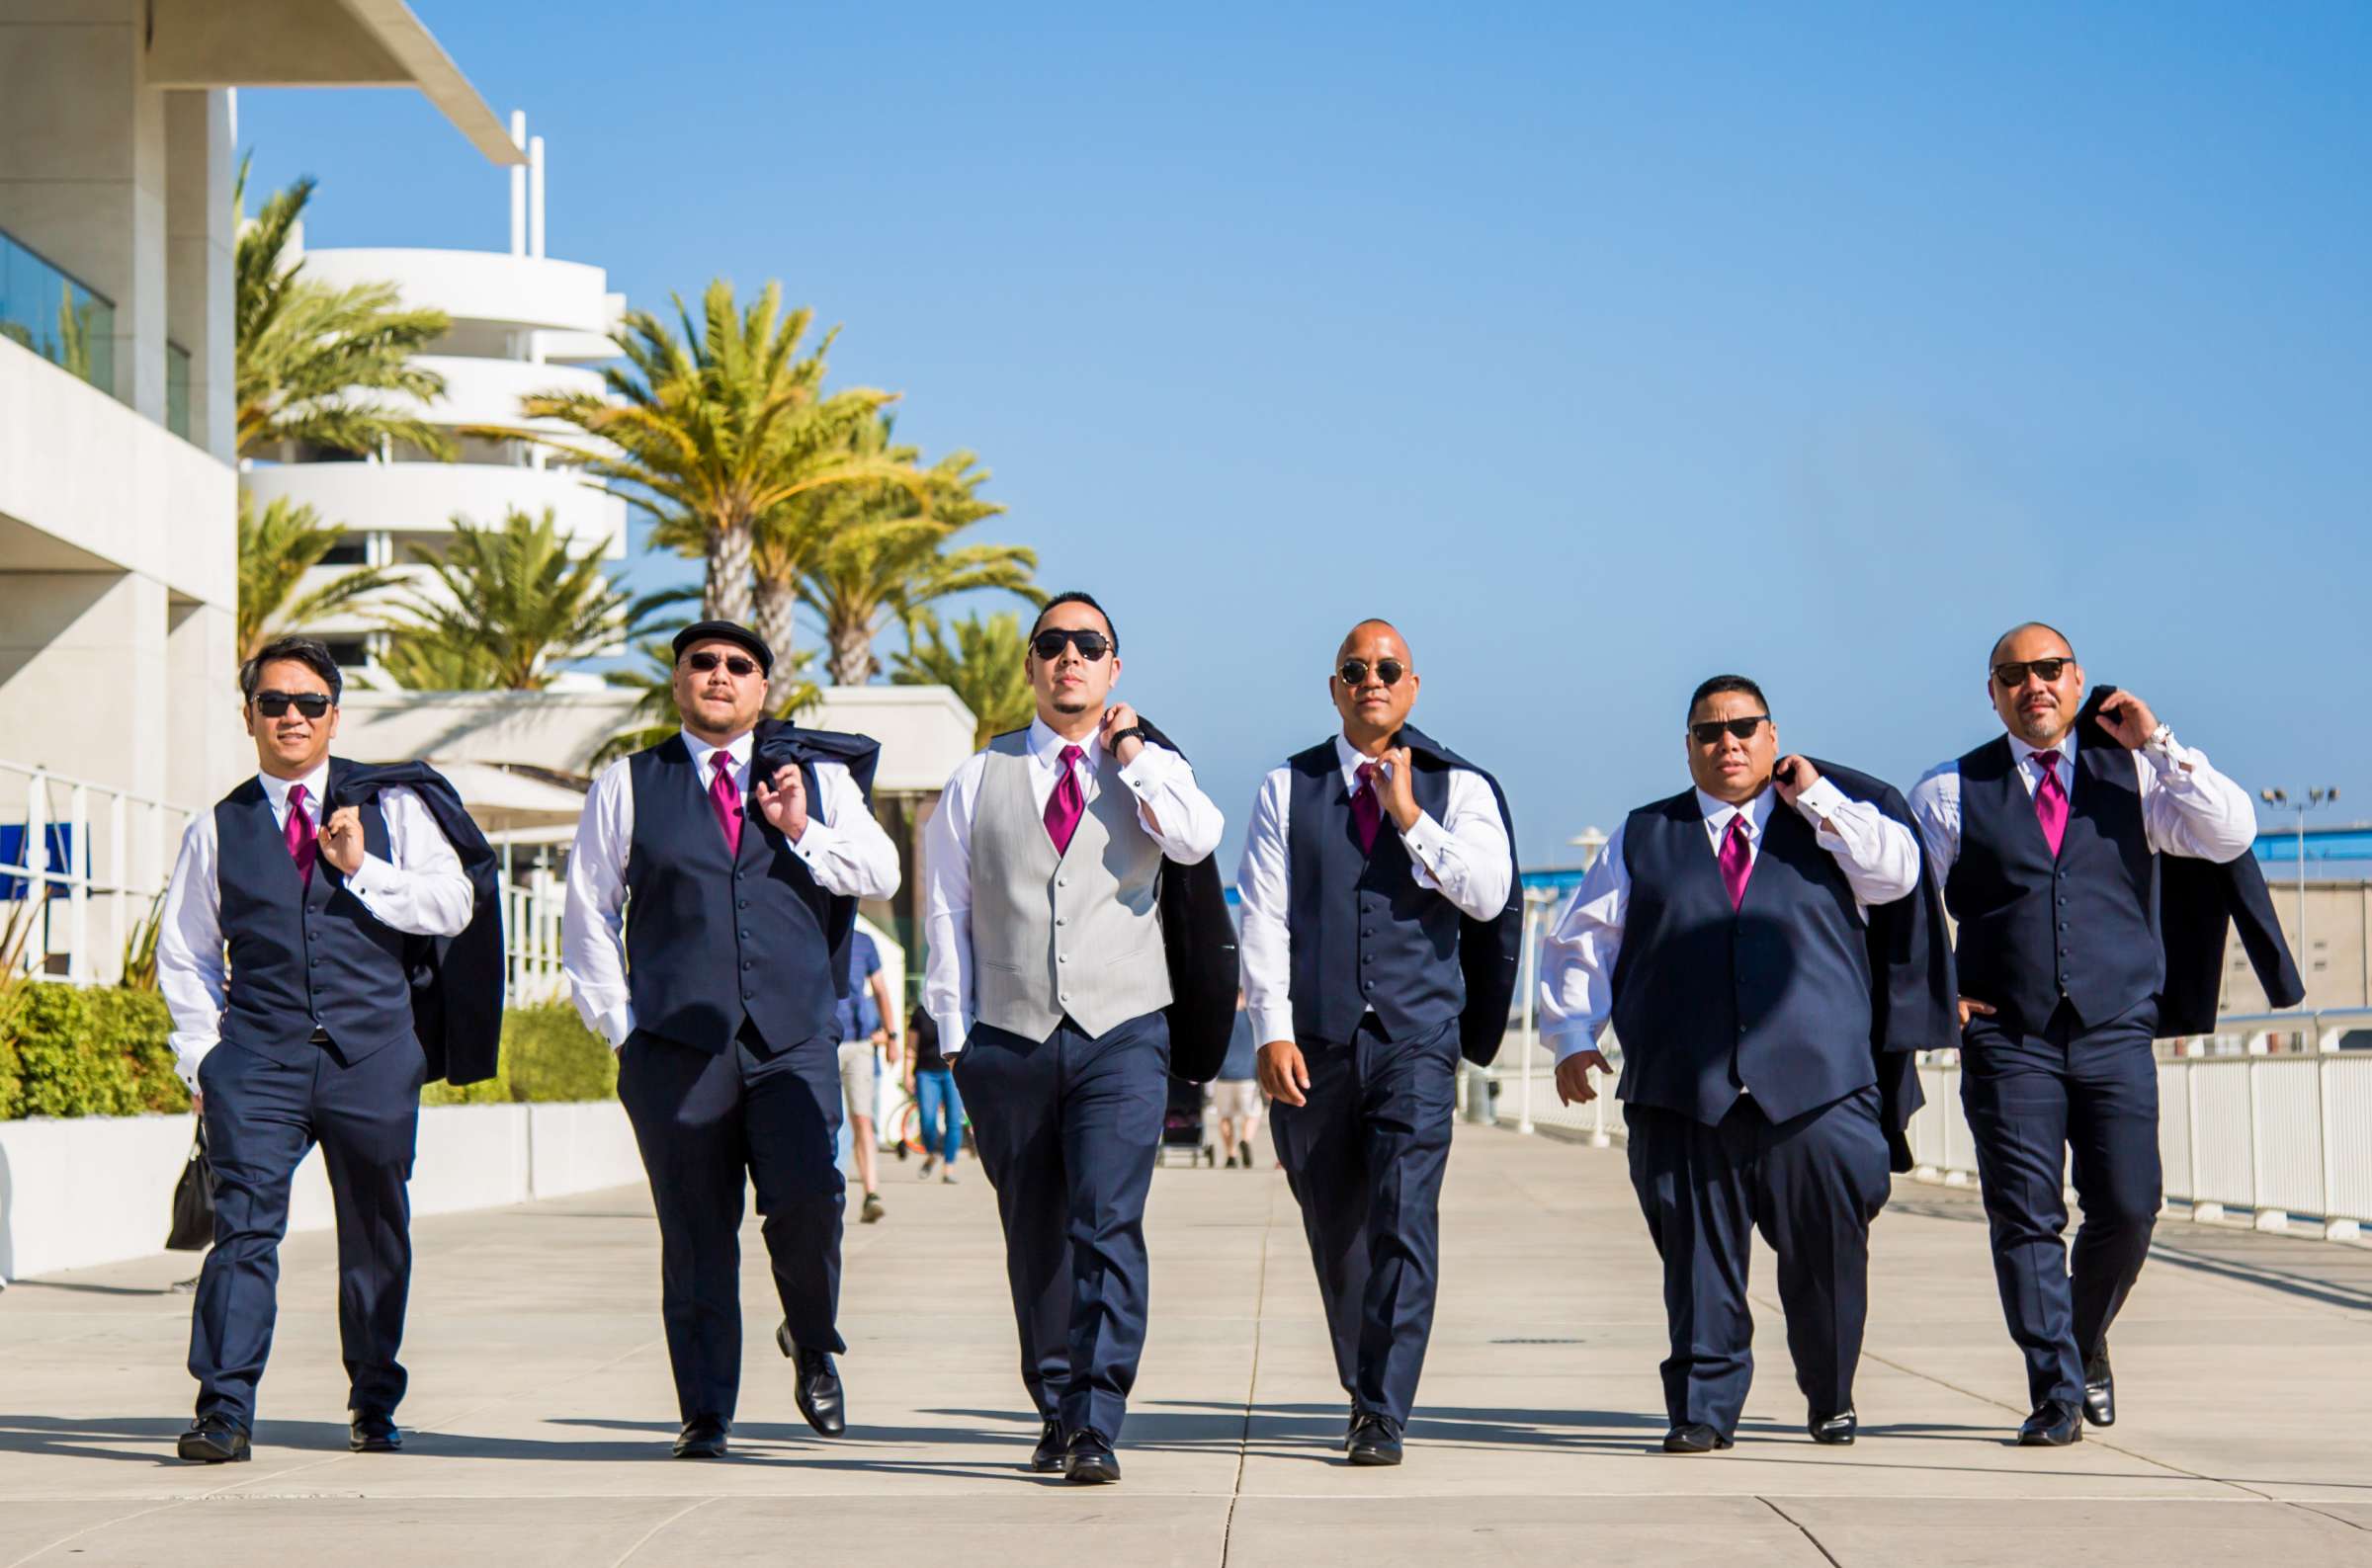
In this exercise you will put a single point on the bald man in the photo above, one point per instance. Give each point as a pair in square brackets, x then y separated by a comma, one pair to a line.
[1365, 855]
[2046, 852]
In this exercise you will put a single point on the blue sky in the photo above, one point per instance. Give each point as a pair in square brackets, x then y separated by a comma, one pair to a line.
[1601, 348]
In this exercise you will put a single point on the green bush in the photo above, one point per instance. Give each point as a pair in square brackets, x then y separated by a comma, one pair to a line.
[74, 1051]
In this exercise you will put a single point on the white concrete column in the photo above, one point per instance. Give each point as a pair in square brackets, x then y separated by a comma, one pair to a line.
[200, 252]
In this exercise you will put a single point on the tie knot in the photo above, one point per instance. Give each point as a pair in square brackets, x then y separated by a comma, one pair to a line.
[1738, 828]
[1367, 773]
[297, 796]
[1071, 755]
[2048, 761]
[722, 761]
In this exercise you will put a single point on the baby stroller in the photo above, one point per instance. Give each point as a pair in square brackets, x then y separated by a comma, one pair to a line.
[1182, 1125]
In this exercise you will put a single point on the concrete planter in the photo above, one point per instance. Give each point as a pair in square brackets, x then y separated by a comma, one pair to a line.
[94, 1189]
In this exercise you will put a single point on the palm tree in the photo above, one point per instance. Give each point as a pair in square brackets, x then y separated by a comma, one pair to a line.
[713, 431]
[515, 602]
[887, 554]
[982, 665]
[305, 350]
[277, 547]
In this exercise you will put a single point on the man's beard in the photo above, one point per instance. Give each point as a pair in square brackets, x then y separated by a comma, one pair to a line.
[1075, 705]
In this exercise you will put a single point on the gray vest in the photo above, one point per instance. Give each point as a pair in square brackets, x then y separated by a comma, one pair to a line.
[1079, 933]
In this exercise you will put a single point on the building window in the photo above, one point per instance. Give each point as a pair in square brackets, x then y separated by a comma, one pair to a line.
[350, 653]
[351, 549]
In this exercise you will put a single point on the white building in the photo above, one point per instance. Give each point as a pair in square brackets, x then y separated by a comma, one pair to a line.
[118, 493]
[521, 323]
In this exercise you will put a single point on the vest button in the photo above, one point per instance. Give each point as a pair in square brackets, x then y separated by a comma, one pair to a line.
[1062, 920]
[1062, 957]
[746, 935]
[749, 963]
[745, 903]
[1062, 882]
[749, 996]
[1062, 996]
[1367, 957]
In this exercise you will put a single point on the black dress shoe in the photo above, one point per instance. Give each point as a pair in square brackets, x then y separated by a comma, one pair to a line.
[2053, 1425]
[1694, 1436]
[1375, 1440]
[374, 1433]
[1835, 1430]
[1089, 1460]
[817, 1385]
[215, 1440]
[703, 1438]
[1046, 1457]
[2099, 1391]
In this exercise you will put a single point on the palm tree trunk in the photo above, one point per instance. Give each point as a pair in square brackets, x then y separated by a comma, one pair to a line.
[776, 599]
[724, 596]
[853, 663]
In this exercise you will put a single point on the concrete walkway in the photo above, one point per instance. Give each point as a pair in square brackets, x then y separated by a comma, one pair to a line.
[541, 1406]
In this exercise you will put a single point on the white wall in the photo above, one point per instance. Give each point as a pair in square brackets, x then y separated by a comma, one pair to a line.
[85, 1190]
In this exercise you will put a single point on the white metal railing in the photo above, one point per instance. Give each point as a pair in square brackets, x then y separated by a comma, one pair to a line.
[2243, 1125]
[531, 937]
[84, 865]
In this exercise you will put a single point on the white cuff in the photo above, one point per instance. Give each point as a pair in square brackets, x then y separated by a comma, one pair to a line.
[618, 1024]
[187, 1057]
[819, 838]
[1425, 841]
[1570, 1040]
[1271, 1023]
[373, 876]
[1819, 801]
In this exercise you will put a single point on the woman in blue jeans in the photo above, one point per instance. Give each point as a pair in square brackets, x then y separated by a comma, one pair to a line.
[939, 1108]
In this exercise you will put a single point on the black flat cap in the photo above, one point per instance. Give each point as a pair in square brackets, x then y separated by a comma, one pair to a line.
[727, 631]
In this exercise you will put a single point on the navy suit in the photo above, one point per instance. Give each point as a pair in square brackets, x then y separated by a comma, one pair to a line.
[731, 1075]
[1377, 991]
[2066, 950]
[1752, 1101]
[317, 1046]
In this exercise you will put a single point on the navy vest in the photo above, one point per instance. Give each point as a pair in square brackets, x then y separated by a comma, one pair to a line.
[1772, 997]
[713, 938]
[2033, 930]
[303, 955]
[1363, 933]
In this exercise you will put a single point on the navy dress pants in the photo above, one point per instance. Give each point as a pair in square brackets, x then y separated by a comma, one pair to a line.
[262, 1116]
[1066, 1128]
[1365, 1159]
[1811, 1184]
[708, 1124]
[2031, 1100]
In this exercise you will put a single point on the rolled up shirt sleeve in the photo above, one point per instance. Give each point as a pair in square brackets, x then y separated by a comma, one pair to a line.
[1183, 820]
[1880, 857]
[1465, 857]
[421, 888]
[2189, 808]
[1576, 965]
[592, 917]
[844, 846]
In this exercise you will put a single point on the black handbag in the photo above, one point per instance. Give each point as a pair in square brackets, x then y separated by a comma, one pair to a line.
[193, 1202]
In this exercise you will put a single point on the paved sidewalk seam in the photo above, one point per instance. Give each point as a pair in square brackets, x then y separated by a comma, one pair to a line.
[108, 1524]
[1251, 1388]
[1801, 1530]
[653, 1533]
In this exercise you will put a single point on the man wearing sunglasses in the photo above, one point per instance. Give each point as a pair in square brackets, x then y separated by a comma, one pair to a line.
[1351, 942]
[1726, 940]
[305, 1036]
[2046, 852]
[712, 895]
[1046, 977]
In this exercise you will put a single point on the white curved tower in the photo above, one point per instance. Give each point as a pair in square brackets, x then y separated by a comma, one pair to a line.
[521, 323]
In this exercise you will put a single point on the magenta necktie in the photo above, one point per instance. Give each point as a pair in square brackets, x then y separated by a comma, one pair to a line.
[1067, 804]
[1737, 861]
[727, 799]
[2051, 802]
[1367, 812]
[303, 848]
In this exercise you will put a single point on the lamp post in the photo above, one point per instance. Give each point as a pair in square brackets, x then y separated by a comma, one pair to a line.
[2304, 801]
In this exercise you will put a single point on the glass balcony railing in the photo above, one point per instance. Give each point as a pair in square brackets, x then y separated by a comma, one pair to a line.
[177, 389]
[56, 316]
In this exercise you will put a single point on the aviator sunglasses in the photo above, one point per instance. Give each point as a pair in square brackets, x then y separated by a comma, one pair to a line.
[1353, 672]
[1711, 731]
[2013, 674]
[1092, 646]
[271, 704]
[709, 658]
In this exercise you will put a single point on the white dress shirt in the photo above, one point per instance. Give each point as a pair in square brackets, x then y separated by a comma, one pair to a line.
[843, 847]
[1464, 858]
[1879, 857]
[420, 889]
[1175, 812]
[2187, 807]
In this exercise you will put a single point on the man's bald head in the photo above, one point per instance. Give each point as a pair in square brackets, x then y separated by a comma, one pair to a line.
[2042, 640]
[1375, 627]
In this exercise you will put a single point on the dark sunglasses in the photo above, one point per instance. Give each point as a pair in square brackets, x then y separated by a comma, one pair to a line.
[1049, 644]
[709, 658]
[1710, 732]
[2013, 674]
[1354, 671]
[271, 704]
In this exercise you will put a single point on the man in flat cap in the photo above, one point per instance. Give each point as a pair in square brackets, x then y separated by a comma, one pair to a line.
[744, 844]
